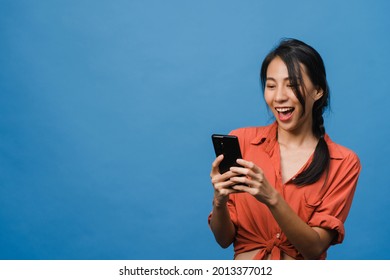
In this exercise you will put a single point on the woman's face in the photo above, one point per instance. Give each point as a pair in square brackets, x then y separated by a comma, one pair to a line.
[283, 103]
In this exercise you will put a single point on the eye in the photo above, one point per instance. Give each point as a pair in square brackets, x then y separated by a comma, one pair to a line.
[293, 86]
[270, 86]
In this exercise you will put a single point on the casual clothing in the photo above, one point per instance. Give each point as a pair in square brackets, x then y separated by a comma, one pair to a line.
[324, 204]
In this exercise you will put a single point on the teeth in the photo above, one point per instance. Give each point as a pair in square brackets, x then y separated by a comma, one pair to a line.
[283, 110]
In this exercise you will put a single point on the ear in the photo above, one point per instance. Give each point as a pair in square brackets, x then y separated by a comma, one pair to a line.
[317, 95]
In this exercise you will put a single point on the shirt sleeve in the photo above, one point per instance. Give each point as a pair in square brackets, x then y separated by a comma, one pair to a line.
[332, 212]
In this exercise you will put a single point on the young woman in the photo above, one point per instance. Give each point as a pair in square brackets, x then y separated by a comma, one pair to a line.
[298, 184]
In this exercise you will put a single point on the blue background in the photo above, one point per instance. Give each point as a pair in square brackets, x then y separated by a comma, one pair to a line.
[107, 107]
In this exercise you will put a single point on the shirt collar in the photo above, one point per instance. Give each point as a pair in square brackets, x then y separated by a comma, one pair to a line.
[266, 134]
[334, 149]
[269, 134]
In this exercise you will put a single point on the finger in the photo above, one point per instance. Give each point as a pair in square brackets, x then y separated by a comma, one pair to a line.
[230, 190]
[249, 164]
[241, 180]
[215, 166]
[241, 170]
[241, 188]
[221, 186]
[223, 181]
[227, 175]
[246, 172]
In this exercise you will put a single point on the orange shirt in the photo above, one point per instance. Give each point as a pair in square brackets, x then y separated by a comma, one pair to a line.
[322, 204]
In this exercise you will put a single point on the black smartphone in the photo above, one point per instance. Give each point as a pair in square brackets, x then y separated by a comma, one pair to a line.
[229, 146]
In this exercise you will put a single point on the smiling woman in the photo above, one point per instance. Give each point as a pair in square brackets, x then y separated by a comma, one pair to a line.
[299, 69]
[294, 118]
[298, 185]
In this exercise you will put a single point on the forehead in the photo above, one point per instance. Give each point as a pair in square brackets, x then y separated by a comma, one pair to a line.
[277, 69]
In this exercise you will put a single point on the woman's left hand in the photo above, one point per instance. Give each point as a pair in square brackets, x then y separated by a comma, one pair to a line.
[253, 182]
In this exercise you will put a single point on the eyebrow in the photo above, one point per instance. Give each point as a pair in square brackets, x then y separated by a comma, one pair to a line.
[273, 79]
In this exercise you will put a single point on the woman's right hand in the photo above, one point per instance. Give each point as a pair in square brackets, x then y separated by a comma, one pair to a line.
[221, 183]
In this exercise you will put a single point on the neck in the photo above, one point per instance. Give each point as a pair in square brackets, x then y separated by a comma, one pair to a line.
[294, 139]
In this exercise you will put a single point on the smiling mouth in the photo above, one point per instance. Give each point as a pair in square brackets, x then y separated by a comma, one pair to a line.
[284, 112]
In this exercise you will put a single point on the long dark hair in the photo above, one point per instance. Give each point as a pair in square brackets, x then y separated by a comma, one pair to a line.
[295, 53]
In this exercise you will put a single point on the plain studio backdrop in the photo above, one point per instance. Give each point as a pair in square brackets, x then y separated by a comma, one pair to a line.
[107, 110]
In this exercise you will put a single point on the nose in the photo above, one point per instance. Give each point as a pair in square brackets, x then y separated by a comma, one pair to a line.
[280, 95]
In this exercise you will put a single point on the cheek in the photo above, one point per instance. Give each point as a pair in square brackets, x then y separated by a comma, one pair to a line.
[309, 105]
[268, 98]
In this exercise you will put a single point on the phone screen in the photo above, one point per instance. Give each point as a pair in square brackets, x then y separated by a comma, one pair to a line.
[229, 146]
